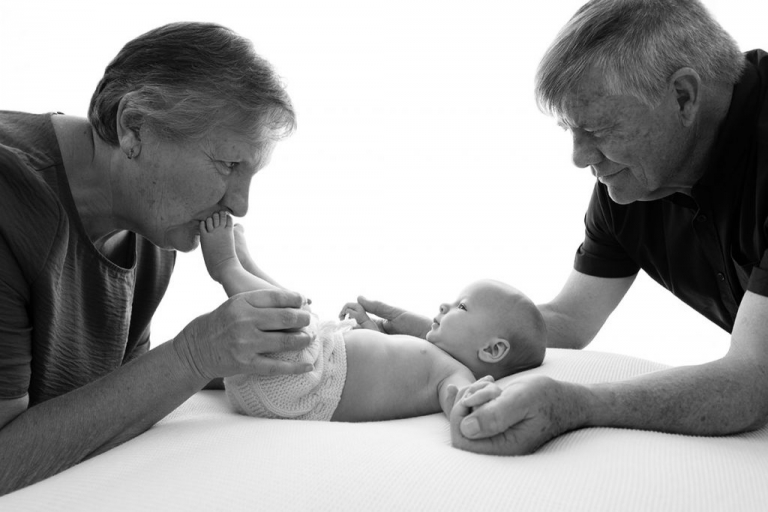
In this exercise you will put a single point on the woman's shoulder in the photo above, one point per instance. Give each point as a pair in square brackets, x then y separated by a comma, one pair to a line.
[30, 137]
[31, 213]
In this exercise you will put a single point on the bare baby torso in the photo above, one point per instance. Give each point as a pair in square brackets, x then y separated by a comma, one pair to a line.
[392, 377]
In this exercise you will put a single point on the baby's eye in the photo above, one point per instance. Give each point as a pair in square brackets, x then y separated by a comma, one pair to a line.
[462, 306]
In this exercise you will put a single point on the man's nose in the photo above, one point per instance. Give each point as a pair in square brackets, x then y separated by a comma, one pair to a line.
[585, 151]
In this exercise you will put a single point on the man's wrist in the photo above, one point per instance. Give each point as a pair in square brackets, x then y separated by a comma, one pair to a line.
[597, 404]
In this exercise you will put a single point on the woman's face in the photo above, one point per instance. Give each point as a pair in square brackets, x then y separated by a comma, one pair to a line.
[175, 186]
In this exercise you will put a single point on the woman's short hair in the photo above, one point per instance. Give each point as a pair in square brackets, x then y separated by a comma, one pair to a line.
[638, 45]
[187, 79]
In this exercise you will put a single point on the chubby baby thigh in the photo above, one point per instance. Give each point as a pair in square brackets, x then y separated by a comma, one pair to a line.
[388, 377]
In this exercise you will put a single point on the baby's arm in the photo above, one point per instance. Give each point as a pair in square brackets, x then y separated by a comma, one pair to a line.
[459, 376]
[356, 311]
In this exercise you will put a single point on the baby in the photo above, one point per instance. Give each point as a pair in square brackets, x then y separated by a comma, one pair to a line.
[365, 375]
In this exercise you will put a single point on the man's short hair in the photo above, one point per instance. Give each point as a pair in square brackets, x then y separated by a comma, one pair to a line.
[638, 45]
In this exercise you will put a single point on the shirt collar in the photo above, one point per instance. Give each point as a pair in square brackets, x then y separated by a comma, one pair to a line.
[735, 135]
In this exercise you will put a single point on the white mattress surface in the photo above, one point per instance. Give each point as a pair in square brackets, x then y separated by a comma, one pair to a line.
[203, 456]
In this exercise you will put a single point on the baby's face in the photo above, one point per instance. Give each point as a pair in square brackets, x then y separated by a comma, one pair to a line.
[467, 324]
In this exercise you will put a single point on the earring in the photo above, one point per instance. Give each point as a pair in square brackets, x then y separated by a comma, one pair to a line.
[130, 154]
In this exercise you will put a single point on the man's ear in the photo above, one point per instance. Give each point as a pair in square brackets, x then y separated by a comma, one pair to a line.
[685, 86]
[493, 351]
[129, 123]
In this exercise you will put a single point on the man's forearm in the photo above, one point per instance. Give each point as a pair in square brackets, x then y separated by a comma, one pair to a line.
[563, 331]
[57, 434]
[710, 399]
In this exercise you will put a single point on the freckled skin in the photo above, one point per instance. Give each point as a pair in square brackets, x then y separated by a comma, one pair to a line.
[645, 153]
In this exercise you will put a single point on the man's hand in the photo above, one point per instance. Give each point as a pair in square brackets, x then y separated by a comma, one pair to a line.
[233, 338]
[515, 420]
[392, 320]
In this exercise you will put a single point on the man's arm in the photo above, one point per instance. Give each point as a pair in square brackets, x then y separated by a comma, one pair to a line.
[722, 397]
[581, 308]
[726, 396]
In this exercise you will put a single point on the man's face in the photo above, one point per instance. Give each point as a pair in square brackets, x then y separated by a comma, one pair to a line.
[639, 153]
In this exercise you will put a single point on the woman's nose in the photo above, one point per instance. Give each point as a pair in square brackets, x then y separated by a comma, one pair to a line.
[236, 198]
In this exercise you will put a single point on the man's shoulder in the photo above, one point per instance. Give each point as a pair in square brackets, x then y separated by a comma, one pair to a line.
[757, 56]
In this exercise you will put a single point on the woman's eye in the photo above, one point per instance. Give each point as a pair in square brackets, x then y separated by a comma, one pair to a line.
[227, 167]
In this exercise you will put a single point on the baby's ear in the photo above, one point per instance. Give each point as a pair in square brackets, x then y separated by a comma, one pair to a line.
[494, 351]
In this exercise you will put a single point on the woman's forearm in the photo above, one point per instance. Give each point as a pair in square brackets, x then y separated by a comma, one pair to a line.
[59, 433]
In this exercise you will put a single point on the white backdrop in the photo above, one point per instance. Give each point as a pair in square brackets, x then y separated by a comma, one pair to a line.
[420, 162]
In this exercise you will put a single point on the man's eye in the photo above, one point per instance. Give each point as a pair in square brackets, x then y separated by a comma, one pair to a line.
[462, 306]
[231, 165]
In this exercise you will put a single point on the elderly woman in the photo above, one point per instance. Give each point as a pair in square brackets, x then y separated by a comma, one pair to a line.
[91, 214]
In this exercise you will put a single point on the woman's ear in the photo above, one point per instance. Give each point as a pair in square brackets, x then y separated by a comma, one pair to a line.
[493, 351]
[129, 123]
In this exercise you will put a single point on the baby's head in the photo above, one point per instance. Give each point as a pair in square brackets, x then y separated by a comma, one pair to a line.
[492, 329]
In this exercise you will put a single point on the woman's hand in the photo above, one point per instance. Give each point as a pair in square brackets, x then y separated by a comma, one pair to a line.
[233, 338]
[394, 320]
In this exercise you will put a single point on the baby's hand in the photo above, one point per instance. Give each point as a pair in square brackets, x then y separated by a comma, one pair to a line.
[481, 392]
[356, 311]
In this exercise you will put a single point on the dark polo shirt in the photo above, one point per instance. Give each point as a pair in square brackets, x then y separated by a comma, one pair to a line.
[707, 248]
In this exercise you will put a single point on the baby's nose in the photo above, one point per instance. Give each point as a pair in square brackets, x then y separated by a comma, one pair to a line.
[444, 308]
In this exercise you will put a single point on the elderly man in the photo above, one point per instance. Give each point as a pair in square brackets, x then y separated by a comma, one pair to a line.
[672, 120]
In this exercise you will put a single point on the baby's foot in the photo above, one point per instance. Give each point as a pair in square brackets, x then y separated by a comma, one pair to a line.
[218, 243]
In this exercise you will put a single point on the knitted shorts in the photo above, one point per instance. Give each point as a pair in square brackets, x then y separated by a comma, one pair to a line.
[309, 396]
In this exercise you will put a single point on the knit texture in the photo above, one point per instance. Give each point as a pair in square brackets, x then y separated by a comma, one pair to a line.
[309, 396]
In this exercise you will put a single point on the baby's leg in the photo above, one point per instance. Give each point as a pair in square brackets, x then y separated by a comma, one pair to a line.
[218, 243]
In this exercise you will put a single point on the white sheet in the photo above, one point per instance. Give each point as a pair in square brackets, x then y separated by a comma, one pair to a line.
[205, 457]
